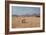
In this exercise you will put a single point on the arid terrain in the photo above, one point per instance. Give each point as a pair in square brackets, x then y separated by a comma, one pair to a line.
[25, 22]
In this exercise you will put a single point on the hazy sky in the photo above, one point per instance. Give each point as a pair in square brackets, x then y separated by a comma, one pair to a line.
[16, 10]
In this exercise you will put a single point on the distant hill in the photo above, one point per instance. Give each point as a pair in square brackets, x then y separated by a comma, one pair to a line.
[28, 15]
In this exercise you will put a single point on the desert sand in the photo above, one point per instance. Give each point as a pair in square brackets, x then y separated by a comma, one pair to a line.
[25, 22]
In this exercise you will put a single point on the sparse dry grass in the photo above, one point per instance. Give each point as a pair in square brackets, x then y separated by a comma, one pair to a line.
[29, 22]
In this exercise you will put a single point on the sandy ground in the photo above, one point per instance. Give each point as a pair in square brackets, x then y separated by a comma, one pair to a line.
[25, 22]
